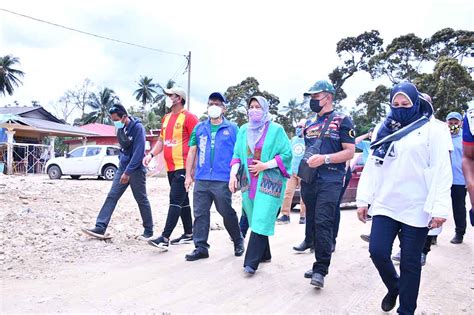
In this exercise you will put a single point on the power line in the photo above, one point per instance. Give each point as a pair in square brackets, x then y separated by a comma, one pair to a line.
[94, 35]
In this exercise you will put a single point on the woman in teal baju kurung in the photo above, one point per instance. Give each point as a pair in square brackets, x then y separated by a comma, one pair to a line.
[263, 150]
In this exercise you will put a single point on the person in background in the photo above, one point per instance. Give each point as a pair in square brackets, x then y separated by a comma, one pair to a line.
[407, 183]
[297, 149]
[176, 130]
[212, 169]
[264, 152]
[131, 172]
[458, 189]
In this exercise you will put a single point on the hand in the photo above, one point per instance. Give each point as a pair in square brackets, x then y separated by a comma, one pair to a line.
[233, 183]
[362, 214]
[257, 167]
[124, 179]
[316, 160]
[188, 182]
[436, 222]
[147, 159]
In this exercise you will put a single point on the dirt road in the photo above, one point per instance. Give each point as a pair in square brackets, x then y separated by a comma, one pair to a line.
[49, 266]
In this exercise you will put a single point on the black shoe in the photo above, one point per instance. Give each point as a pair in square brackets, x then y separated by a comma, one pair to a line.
[183, 239]
[95, 232]
[317, 280]
[333, 247]
[365, 237]
[308, 274]
[239, 248]
[457, 239]
[434, 240]
[302, 247]
[249, 270]
[389, 301]
[197, 254]
[160, 242]
[423, 259]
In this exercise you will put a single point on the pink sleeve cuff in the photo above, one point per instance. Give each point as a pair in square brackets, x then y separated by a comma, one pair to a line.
[281, 166]
[234, 161]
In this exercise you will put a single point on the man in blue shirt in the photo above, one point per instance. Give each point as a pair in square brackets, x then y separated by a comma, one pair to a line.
[458, 189]
[363, 143]
[130, 172]
[297, 149]
[211, 147]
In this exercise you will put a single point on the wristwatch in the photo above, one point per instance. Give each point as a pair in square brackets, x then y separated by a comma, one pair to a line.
[327, 159]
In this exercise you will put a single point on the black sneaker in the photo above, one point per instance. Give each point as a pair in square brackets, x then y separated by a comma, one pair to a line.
[95, 232]
[183, 239]
[302, 220]
[308, 274]
[197, 254]
[434, 240]
[249, 270]
[239, 248]
[284, 219]
[146, 236]
[389, 301]
[160, 242]
[317, 280]
[457, 239]
[302, 247]
[365, 237]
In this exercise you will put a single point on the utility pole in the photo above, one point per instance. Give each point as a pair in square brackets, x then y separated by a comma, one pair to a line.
[189, 79]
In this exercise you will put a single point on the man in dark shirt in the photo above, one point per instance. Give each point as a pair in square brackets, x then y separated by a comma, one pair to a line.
[321, 193]
[131, 136]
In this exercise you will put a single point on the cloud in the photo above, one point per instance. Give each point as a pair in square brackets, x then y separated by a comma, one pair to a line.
[286, 46]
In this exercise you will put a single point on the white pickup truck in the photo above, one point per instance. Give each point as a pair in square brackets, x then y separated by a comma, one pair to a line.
[89, 160]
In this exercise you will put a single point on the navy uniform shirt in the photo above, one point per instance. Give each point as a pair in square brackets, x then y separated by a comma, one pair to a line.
[340, 130]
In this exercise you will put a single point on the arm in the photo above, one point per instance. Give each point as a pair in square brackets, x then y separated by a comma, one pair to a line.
[359, 139]
[138, 151]
[468, 169]
[190, 166]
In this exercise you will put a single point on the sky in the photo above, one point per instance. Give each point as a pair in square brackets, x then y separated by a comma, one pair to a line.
[285, 45]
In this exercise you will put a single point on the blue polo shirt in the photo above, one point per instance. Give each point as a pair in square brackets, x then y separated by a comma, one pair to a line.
[456, 160]
[340, 130]
[297, 148]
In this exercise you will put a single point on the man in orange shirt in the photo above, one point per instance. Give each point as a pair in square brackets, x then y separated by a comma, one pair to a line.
[176, 130]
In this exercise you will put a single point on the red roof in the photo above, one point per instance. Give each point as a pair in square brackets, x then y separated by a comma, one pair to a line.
[101, 129]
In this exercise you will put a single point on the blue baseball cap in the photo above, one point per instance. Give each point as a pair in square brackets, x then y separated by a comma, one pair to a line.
[454, 115]
[219, 96]
[321, 86]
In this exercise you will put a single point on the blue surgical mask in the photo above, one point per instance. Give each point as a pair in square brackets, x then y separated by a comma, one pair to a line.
[119, 124]
[405, 116]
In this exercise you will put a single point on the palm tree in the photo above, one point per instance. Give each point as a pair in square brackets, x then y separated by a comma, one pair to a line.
[101, 104]
[293, 111]
[159, 99]
[145, 94]
[9, 77]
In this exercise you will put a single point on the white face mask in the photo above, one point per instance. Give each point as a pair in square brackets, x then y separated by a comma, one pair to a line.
[214, 111]
[168, 102]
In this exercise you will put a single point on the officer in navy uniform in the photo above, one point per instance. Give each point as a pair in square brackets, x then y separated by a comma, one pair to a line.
[321, 193]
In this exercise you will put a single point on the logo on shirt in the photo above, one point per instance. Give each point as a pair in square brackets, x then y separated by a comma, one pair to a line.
[352, 133]
[178, 125]
[298, 149]
[226, 132]
[170, 143]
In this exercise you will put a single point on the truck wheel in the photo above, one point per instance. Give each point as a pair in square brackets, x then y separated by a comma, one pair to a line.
[54, 172]
[109, 172]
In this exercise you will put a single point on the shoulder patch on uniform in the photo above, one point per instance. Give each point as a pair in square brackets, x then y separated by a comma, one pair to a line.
[352, 133]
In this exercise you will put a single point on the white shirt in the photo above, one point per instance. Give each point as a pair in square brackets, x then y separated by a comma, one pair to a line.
[414, 185]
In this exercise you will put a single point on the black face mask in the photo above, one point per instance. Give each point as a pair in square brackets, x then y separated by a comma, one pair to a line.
[315, 105]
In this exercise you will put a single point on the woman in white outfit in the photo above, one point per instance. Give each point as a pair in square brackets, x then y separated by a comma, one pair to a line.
[407, 181]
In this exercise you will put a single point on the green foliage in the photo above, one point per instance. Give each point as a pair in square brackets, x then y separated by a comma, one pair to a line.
[239, 95]
[100, 103]
[370, 108]
[9, 76]
[146, 91]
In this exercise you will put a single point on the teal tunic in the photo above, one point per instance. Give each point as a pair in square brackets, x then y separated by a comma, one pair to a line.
[270, 187]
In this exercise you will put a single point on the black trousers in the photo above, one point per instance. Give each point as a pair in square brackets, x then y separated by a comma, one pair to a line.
[258, 250]
[321, 200]
[458, 197]
[179, 204]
